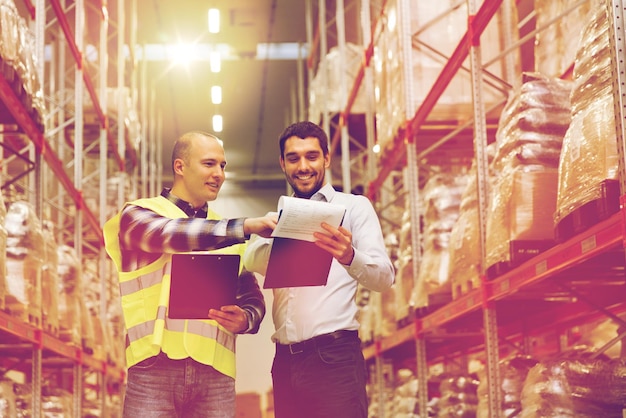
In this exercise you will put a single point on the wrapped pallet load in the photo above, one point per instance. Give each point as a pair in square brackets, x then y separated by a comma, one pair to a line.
[578, 383]
[69, 296]
[465, 256]
[24, 261]
[50, 280]
[513, 372]
[3, 253]
[523, 200]
[587, 189]
[442, 199]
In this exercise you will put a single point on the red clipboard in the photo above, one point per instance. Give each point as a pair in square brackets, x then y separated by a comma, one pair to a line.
[201, 281]
[296, 263]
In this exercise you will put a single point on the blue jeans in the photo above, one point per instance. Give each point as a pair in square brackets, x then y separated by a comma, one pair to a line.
[159, 387]
[325, 381]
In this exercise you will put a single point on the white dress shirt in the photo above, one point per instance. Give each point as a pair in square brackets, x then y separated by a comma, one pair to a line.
[303, 312]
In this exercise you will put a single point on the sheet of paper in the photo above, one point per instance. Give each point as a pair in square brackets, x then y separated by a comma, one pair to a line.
[300, 218]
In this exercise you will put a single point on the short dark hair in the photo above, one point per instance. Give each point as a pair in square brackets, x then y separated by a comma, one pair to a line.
[182, 146]
[304, 129]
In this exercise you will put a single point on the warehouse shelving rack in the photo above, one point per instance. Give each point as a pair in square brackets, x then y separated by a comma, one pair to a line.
[575, 282]
[61, 143]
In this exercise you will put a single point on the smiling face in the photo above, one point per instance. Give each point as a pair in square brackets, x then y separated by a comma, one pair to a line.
[304, 164]
[199, 170]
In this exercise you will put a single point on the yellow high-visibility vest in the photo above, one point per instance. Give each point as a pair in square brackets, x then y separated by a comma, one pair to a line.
[145, 298]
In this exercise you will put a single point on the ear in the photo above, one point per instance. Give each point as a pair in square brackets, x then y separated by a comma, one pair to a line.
[178, 166]
[327, 160]
[281, 160]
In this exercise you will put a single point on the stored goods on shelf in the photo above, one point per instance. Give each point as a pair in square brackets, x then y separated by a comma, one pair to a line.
[442, 200]
[556, 44]
[588, 161]
[458, 396]
[576, 383]
[513, 372]
[3, 254]
[328, 89]
[25, 248]
[69, 296]
[50, 280]
[523, 198]
[436, 29]
[465, 254]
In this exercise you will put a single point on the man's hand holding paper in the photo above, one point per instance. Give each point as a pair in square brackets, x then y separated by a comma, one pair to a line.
[307, 237]
[301, 218]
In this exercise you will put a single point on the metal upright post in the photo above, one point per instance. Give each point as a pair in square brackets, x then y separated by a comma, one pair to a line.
[78, 172]
[480, 149]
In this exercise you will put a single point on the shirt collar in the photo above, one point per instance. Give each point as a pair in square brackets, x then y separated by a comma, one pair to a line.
[185, 206]
[325, 194]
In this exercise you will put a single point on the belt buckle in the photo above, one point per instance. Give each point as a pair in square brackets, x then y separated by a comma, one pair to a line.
[291, 348]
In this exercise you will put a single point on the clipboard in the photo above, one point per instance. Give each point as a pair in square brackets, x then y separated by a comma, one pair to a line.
[296, 263]
[201, 281]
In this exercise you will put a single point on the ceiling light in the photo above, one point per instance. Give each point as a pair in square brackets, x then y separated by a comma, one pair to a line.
[217, 123]
[182, 53]
[214, 20]
[216, 94]
[215, 61]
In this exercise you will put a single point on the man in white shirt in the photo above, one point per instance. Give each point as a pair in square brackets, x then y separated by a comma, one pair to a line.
[319, 369]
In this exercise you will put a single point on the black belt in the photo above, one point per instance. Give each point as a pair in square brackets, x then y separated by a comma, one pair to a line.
[316, 342]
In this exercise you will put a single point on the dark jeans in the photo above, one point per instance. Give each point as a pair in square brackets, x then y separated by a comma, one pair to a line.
[162, 388]
[322, 381]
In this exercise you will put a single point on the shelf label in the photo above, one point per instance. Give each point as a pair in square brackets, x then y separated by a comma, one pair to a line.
[541, 267]
[588, 244]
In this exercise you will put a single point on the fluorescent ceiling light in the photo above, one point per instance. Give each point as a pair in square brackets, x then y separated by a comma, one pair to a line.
[214, 20]
[216, 94]
[217, 123]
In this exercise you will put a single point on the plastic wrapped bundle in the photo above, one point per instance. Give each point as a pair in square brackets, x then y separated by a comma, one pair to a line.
[465, 255]
[3, 253]
[575, 384]
[533, 123]
[513, 372]
[7, 399]
[326, 87]
[458, 397]
[49, 281]
[589, 157]
[24, 262]
[69, 294]
[442, 199]
[523, 199]
[9, 32]
[521, 208]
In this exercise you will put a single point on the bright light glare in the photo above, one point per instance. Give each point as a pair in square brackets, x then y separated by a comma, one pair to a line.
[216, 62]
[391, 19]
[217, 123]
[376, 148]
[183, 53]
[216, 94]
[214, 20]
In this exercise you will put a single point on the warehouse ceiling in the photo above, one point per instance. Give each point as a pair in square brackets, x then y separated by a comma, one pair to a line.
[258, 87]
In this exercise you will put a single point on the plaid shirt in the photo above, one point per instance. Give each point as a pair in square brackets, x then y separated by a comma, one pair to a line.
[145, 235]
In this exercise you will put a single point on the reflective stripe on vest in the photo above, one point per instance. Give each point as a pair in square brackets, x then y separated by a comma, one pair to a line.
[200, 328]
